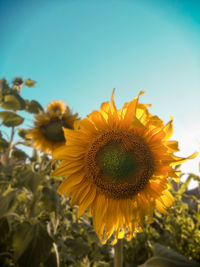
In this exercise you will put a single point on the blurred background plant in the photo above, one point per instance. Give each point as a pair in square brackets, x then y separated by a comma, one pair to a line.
[40, 228]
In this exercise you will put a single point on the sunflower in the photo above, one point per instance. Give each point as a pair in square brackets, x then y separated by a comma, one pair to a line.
[47, 133]
[116, 165]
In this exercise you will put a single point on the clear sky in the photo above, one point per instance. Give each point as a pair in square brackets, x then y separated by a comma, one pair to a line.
[79, 50]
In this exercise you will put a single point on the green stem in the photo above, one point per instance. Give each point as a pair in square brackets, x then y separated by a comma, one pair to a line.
[10, 142]
[10, 146]
[118, 258]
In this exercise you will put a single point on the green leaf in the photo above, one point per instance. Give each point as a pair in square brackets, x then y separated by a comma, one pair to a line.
[3, 84]
[51, 199]
[164, 262]
[51, 261]
[163, 251]
[3, 87]
[13, 102]
[164, 257]
[30, 180]
[92, 236]
[11, 119]
[194, 176]
[184, 185]
[101, 264]
[78, 246]
[3, 144]
[30, 83]
[4, 228]
[19, 154]
[7, 203]
[22, 132]
[32, 244]
[33, 106]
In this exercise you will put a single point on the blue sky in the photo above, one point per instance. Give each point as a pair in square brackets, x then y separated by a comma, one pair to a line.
[79, 50]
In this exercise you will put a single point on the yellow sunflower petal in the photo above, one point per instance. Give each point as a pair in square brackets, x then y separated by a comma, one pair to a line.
[78, 195]
[112, 103]
[105, 109]
[70, 182]
[179, 160]
[131, 108]
[168, 129]
[98, 211]
[87, 201]
[98, 120]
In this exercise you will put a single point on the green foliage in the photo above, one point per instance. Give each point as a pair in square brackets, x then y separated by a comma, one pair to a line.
[30, 83]
[40, 228]
[19, 154]
[7, 203]
[3, 144]
[10, 98]
[13, 101]
[10, 119]
[33, 106]
[31, 244]
[166, 257]
[3, 88]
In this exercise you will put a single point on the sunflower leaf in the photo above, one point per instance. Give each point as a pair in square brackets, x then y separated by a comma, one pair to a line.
[51, 199]
[51, 261]
[31, 244]
[4, 228]
[30, 83]
[4, 84]
[13, 102]
[33, 106]
[184, 185]
[22, 133]
[164, 257]
[77, 246]
[19, 154]
[10, 119]
[7, 203]
[30, 180]
[3, 144]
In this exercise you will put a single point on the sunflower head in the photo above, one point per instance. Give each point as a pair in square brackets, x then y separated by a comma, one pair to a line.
[47, 133]
[117, 165]
[56, 106]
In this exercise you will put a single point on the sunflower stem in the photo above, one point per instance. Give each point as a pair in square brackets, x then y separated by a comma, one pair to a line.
[118, 257]
[10, 147]
[10, 142]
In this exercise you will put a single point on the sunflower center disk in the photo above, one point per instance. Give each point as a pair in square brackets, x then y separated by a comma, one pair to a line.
[119, 163]
[115, 162]
[53, 131]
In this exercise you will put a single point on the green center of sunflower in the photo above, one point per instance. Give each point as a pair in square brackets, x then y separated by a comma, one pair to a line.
[115, 162]
[53, 131]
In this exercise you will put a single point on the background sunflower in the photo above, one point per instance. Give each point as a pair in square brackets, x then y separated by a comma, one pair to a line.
[117, 165]
[47, 133]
